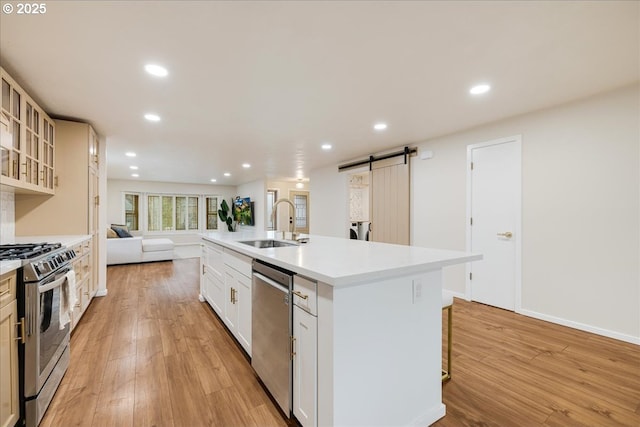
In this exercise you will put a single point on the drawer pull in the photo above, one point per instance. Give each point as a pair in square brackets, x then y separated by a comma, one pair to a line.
[6, 291]
[300, 295]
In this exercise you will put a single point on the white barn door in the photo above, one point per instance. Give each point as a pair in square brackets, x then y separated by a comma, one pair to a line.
[389, 198]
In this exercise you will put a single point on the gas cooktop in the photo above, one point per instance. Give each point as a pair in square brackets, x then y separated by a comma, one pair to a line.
[26, 251]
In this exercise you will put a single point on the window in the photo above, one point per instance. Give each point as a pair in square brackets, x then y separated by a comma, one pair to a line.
[170, 212]
[212, 213]
[272, 196]
[186, 213]
[301, 202]
[131, 211]
[160, 213]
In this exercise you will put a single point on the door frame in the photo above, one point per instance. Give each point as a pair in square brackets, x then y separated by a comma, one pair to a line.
[517, 140]
[292, 193]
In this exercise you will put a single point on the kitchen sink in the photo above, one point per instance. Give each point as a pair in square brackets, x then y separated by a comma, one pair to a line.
[268, 243]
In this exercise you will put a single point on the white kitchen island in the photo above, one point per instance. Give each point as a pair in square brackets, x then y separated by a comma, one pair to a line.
[379, 344]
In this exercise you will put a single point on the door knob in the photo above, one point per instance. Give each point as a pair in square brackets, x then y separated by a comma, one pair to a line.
[506, 234]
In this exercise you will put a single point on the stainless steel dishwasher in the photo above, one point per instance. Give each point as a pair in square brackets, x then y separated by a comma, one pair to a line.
[271, 331]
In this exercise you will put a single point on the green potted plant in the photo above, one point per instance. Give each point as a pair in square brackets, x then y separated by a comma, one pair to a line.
[223, 214]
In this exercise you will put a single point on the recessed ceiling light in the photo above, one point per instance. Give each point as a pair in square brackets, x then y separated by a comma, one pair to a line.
[135, 175]
[326, 147]
[213, 180]
[152, 117]
[380, 126]
[246, 165]
[135, 168]
[227, 174]
[479, 89]
[130, 154]
[156, 70]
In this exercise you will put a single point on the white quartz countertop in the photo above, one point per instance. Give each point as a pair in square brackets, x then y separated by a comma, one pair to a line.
[9, 266]
[343, 262]
[65, 240]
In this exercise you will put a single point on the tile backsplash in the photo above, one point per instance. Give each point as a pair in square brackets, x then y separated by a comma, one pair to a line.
[7, 217]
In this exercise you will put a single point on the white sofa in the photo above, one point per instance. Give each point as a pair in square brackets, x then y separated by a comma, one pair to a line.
[128, 250]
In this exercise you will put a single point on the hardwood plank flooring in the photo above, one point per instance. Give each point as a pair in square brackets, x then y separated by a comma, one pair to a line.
[512, 370]
[150, 354]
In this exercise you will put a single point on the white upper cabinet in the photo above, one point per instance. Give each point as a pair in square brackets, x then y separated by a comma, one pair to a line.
[27, 136]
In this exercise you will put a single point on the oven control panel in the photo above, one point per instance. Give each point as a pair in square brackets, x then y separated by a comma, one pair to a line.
[45, 265]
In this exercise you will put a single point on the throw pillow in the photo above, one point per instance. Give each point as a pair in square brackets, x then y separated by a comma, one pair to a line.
[111, 234]
[121, 232]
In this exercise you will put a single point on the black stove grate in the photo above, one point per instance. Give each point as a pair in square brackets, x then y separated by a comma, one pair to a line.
[26, 251]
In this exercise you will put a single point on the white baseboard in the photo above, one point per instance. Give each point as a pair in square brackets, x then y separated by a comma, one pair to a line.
[581, 326]
[569, 323]
[431, 416]
[460, 295]
[101, 292]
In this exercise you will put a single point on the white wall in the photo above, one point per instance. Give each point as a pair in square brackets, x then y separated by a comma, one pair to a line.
[329, 210]
[580, 205]
[7, 217]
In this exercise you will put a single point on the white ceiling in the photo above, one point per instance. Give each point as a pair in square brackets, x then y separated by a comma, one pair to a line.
[268, 82]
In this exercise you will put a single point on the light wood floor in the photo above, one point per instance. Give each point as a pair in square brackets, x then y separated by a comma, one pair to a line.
[512, 370]
[149, 354]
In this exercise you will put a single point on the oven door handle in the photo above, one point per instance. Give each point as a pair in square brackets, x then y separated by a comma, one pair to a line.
[53, 285]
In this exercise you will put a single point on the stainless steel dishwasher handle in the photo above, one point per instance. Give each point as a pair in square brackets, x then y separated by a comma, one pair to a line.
[273, 283]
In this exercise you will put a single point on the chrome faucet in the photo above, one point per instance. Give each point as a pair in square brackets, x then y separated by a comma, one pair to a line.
[273, 215]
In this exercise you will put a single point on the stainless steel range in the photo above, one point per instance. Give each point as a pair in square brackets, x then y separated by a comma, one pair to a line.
[43, 350]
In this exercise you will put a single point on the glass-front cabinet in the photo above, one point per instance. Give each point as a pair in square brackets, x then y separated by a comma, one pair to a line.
[27, 140]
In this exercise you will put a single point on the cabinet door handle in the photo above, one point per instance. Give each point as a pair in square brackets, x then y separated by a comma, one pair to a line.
[6, 291]
[21, 327]
[293, 347]
[300, 295]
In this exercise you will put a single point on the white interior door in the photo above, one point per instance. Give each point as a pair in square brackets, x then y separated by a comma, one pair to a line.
[494, 222]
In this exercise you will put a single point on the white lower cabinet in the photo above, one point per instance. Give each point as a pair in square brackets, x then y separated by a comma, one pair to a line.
[225, 283]
[212, 278]
[9, 397]
[243, 331]
[305, 347]
[230, 302]
[305, 367]
[85, 288]
[237, 312]
[215, 293]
